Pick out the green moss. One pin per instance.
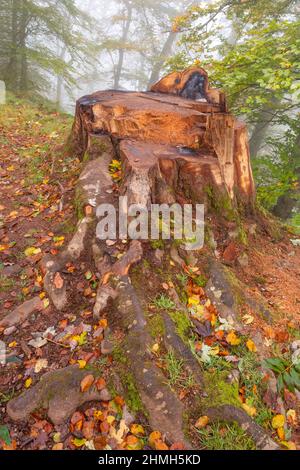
(132, 396)
(156, 326)
(221, 203)
(182, 325)
(118, 354)
(242, 235)
(157, 244)
(218, 390)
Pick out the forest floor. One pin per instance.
(38, 217)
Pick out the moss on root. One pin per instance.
(182, 325)
(156, 326)
(219, 391)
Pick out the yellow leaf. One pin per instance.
(28, 382)
(251, 345)
(58, 446)
(232, 339)
(278, 421)
(248, 319)
(42, 295)
(46, 303)
(13, 344)
(31, 250)
(250, 410)
(289, 444)
(155, 348)
(137, 430)
(81, 363)
(110, 419)
(78, 442)
(193, 300)
(202, 422)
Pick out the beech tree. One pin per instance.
(40, 40)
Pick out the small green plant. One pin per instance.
(164, 302)
(200, 280)
(6, 283)
(176, 372)
(174, 367)
(287, 373)
(157, 244)
(182, 278)
(222, 436)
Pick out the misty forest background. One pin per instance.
(59, 50)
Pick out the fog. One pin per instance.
(133, 39)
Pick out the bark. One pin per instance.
(165, 53)
(23, 36)
(11, 71)
(118, 72)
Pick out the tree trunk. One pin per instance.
(11, 73)
(165, 53)
(23, 36)
(118, 72)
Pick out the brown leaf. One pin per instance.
(58, 281)
(87, 382)
(88, 429)
(100, 383)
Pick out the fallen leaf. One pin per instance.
(278, 421)
(31, 250)
(280, 433)
(289, 445)
(291, 417)
(58, 281)
(40, 364)
(81, 363)
(58, 446)
(160, 445)
(232, 339)
(100, 383)
(251, 345)
(154, 436)
(88, 429)
(87, 382)
(28, 382)
(248, 319)
(250, 410)
(133, 443)
(78, 442)
(137, 429)
(202, 422)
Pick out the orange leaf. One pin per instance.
(160, 445)
(154, 436)
(100, 383)
(202, 422)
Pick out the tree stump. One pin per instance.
(176, 143)
(177, 139)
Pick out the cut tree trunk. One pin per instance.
(172, 149)
(188, 145)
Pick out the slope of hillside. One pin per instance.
(232, 305)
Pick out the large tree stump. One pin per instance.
(177, 143)
(178, 134)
